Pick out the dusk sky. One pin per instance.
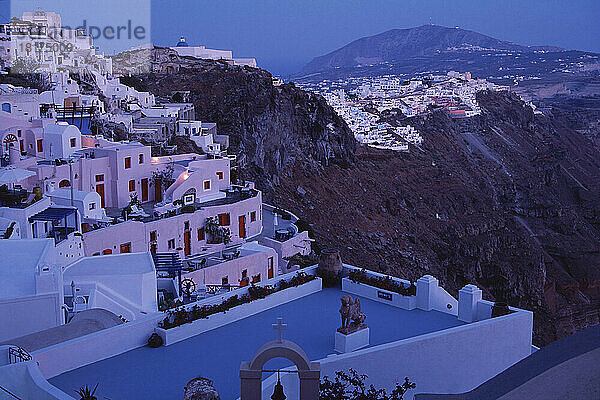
(284, 35)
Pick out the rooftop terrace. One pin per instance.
(312, 321)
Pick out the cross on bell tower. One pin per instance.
(279, 327)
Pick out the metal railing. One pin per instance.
(215, 289)
(17, 355)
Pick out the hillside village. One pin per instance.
(361, 101)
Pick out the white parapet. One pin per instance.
(468, 297)
(427, 287)
(380, 295)
(352, 341)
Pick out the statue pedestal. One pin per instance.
(351, 341)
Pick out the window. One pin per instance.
(92, 206)
(244, 274)
(18, 132)
(40, 146)
(64, 183)
(206, 185)
(127, 162)
(100, 178)
(186, 226)
(224, 220)
(132, 185)
(171, 244)
(153, 236)
(270, 269)
(225, 280)
(73, 142)
(253, 216)
(126, 247)
(141, 159)
(256, 278)
(201, 234)
(220, 175)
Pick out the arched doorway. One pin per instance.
(9, 141)
(309, 372)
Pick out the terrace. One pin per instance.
(312, 321)
(17, 198)
(63, 222)
(150, 212)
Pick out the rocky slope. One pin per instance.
(507, 200)
(271, 128)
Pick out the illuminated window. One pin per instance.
(99, 178)
(73, 142)
(127, 162)
(220, 175)
(201, 234)
(132, 185)
(126, 247)
(253, 216)
(206, 185)
(141, 159)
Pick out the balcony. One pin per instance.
(17, 198)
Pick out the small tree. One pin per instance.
(218, 233)
(351, 386)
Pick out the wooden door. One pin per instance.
(271, 270)
(158, 190)
(144, 190)
(242, 226)
(187, 243)
(100, 191)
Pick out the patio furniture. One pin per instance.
(138, 212)
(283, 234)
(79, 304)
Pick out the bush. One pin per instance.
(155, 341)
(386, 283)
(180, 316)
(351, 386)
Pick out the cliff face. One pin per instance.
(271, 128)
(507, 200)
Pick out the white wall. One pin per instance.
(25, 315)
(24, 380)
(454, 360)
(76, 353)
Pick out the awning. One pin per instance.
(53, 214)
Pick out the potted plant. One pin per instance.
(85, 393)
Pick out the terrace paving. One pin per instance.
(162, 373)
